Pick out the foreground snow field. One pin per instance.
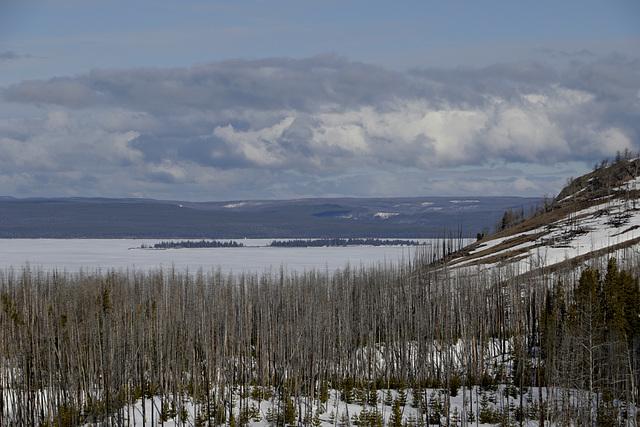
(468, 406)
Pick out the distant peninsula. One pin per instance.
(193, 244)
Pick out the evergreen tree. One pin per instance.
(372, 395)
(289, 412)
(607, 411)
(454, 384)
(613, 298)
(395, 420)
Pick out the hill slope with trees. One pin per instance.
(594, 215)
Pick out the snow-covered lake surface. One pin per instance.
(255, 256)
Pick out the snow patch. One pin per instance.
(385, 215)
(235, 205)
(564, 199)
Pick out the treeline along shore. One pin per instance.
(294, 243)
(184, 244)
(305, 243)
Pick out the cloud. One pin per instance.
(267, 84)
(556, 53)
(10, 56)
(315, 126)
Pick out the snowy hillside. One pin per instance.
(581, 224)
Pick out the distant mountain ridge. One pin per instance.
(407, 217)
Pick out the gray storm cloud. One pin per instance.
(311, 126)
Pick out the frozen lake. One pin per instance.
(256, 257)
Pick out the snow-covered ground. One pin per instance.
(335, 412)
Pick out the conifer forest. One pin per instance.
(400, 342)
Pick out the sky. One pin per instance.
(281, 99)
